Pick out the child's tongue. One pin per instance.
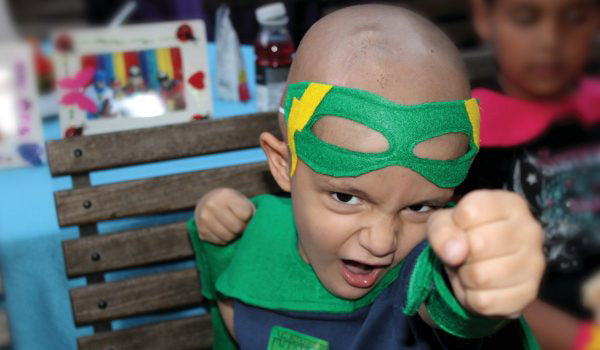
(358, 268)
(360, 275)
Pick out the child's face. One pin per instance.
(352, 230)
(542, 46)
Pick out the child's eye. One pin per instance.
(573, 16)
(420, 208)
(525, 17)
(345, 198)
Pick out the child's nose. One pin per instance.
(549, 34)
(380, 237)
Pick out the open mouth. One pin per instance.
(360, 275)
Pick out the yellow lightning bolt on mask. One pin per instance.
(300, 114)
(473, 112)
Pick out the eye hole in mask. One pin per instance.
(350, 135)
(354, 136)
(445, 147)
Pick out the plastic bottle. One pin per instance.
(274, 49)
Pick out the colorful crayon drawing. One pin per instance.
(21, 136)
(136, 84)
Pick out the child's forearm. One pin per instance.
(553, 328)
(226, 310)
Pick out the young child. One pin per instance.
(539, 136)
(379, 128)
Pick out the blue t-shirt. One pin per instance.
(381, 325)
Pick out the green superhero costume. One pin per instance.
(244, 270)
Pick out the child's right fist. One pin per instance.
(491, 246)
(222, 214)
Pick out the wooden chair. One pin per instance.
(92, 255)
(5, 339)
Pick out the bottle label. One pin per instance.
(270, 84)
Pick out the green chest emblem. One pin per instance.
(287, 339)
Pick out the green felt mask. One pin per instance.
(404, 127)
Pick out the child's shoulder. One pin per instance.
(508, 121)
(271, 210)
(271, 202)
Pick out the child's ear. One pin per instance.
(278, 158)
(481, 19)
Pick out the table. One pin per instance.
(31, 259)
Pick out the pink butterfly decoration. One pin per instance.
(79, 99)
(76, 84)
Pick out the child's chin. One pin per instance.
(349, 292)
(548, 88)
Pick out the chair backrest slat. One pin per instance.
(190, 333)
(92, 255)
(130, 297)
(95, 152)
(156, 195)
(121, 250)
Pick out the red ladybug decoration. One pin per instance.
(199, 117)
(64, 43)
(73, 131)
(185, 33)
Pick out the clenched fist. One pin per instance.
(222, 214)
(491, 247)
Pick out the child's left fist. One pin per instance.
(492, 249)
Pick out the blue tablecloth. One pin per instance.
(31, 259)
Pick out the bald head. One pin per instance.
(389, 51)
(386, 50)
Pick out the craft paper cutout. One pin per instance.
(64, 43)
(73, 131)
(21, 137)
(82, 79)
(77, 98)
(197, 80)
(185, 33)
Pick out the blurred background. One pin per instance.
(38, 18)
(31, 261)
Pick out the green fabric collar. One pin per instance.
(291, 284)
